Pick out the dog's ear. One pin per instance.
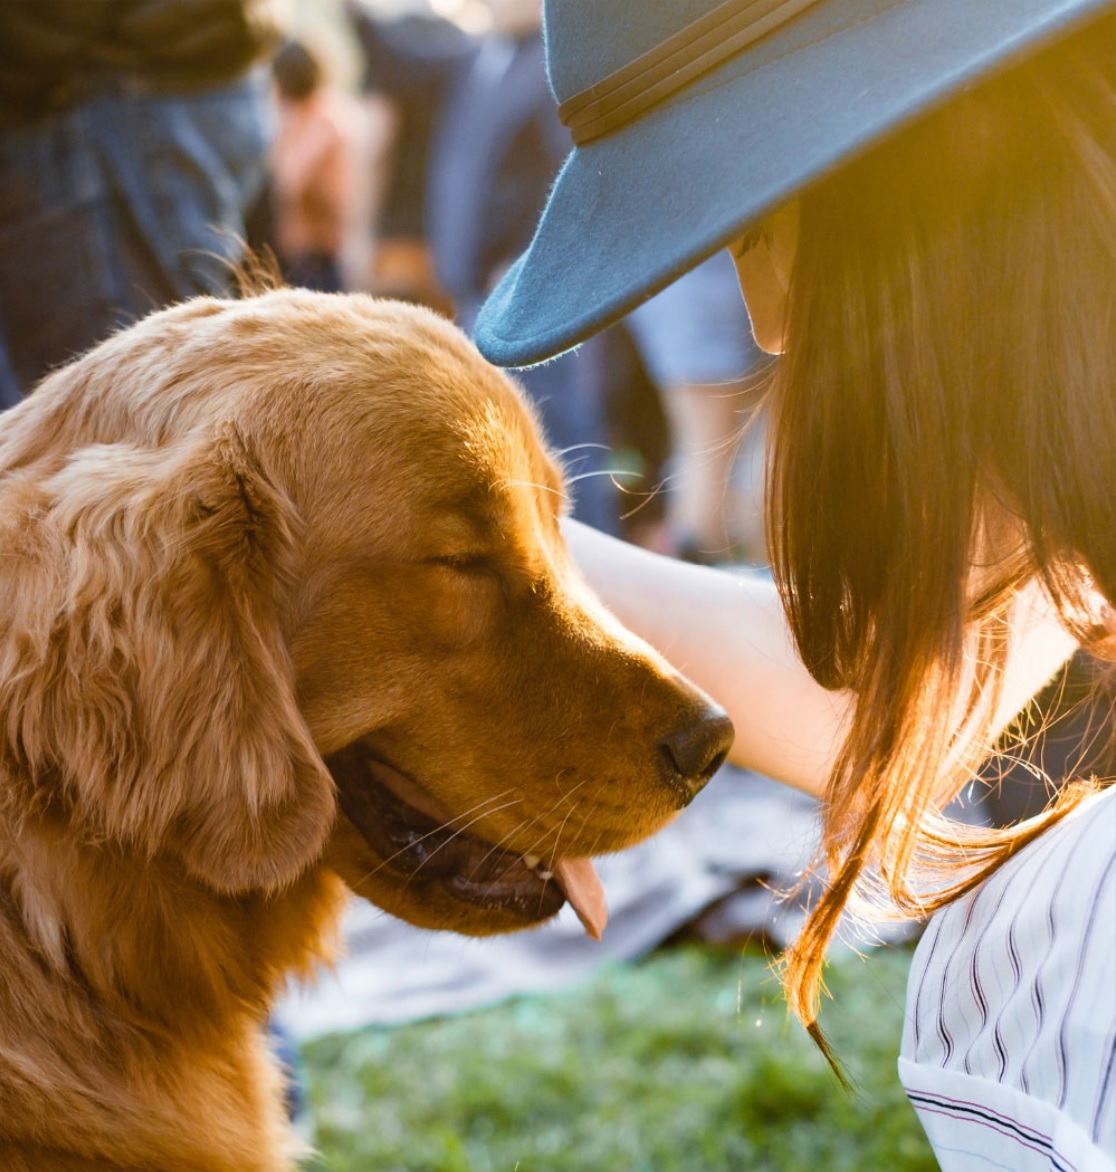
(145, 681)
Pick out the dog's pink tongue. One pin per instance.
(580, 882)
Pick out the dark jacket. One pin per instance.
(56, 53)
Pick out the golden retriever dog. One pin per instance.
(285, 613)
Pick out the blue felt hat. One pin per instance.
(696, 118)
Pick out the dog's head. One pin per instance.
(283, 585)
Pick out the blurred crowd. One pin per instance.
(145, 144)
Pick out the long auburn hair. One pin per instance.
(947, 400)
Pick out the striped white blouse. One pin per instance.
(1010, 1040)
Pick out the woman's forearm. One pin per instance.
(726, 632)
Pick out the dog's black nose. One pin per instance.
(694, 752)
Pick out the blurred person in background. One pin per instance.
(313, 165)
(408, 61)
(696, 342)
(132, 142)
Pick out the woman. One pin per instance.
(921, 199)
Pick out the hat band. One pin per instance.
(654, 76)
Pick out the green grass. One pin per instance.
(686, 1062)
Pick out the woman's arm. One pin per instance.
(726, 632)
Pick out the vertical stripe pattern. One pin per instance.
(1009, 1053)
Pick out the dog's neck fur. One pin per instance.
(201, 1014)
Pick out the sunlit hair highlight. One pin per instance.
(943, 434)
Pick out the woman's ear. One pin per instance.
(146, 682)
(764, 263)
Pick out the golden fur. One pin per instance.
(259, 557)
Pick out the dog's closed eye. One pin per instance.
(466, 563)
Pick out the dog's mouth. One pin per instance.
(415, 836)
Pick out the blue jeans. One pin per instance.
(118, 206)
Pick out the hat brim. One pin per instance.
(630, 212)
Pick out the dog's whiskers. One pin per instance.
(504, 485)
(499, 844)
(567, 794)
(586, 445)
(611, 473)
(481, 809)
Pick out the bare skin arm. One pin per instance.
(727, 633)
